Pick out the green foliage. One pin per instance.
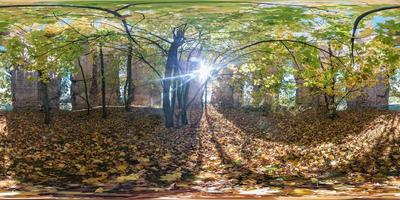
(319, 59)
(5, 87)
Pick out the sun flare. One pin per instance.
(204, 71)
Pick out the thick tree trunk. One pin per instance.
(182, 94)
(44, 98)
(167, 107)
(129, 84)
(103, 84)
(85, 86)
(185, 96)
(332, 108)
(94, 85)
(173, 97)
(171, 69)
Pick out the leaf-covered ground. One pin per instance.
(231, 152)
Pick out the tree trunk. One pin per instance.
(332, 107)
(185, 96)
(171, 69)
(44, 98)
(103, 84)
(182, 94)
(129, 84)
(86, 88)
(94, 86)
(168, 115)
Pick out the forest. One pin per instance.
(201, 99)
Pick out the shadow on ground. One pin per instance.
(133, 151)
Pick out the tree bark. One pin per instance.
(183, 93)
(185, 101)
(333, 104)
(171, 69)
(167, 107)
(85, 86)
(94, 86)
(44, 98)
(103, 84)
(129, 84)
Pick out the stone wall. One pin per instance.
(223, 93)
(147, 92)
(91, 68)
(372, 97)
(306, 97)
(26, 92)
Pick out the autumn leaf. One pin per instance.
(131, 177)
(122, 167)
(167, 156)
(94, 181)
(299, 191)
(174, 176)
(99, 190)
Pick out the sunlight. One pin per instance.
(204, 71)
(13, 193)
(203, 99)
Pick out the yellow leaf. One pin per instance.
(172, 177)
(132, 177)
(143, 160)
(99, 190)
(61, 165)
(167, 156)
(314, 180)
(82, 170)
(93, 181)
(207, 176)
(359, 178)
(122, 167)
(96, 161)
(299, 191)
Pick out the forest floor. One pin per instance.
(230, 154)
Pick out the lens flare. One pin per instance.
(204, 71)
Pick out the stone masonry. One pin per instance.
(26, 94)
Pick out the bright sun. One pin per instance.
(204, 71)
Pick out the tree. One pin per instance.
(129, 87)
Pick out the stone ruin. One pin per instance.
(372, 97)
(91, 68)
(223, 93)
(376, 96)
(26, 92)
(146, 93)
(305, 96)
